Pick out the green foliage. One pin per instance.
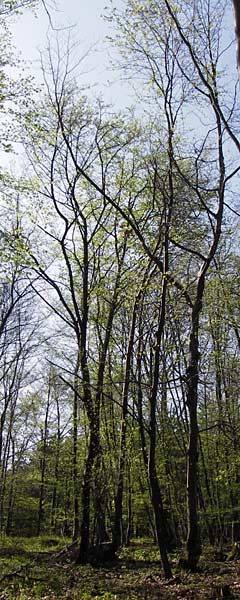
(137, 575)
(114, 208)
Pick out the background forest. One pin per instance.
(119, 295)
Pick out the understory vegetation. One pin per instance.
(43, 569)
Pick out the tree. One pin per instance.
(161, 49)
(83, 225)
(17, 331)
(127, 257)
(236, 12)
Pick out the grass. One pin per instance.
(33, 569)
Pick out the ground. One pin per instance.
(32, 569)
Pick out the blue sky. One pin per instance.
(29, 30)
(29, 33)
(29, 36)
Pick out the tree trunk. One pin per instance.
(193, 538)
(162, 533)
(11, 491)
(44, 436)
(100, 502)
(101, 534)
(129, 508)
(236, 12)
(83, 554)
(117, 531)
(75, 454)
(56, 469)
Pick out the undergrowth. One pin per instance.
(34, 569)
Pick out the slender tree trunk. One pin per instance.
(100, 502)
(94, 450)
(156, 497)
(101, 534)
(117, 530)
(236, 12)
(43, 464)
(93, 419)
(11, 491)
(210, 527)
(83, 555)
(3, 462)
(56, 469)
(193, 538)
(67, 507)
(129, 508)
(75, 454)
(160, 521)
(140, 397)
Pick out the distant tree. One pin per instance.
(17, 329)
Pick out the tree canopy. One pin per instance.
(119, 295)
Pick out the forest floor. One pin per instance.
(32, 569)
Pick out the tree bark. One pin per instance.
(83, 555)
(44, 438)
(193, 538)
(236, 12)
(156, 496)
(56, 469)
(75, 454)
(117, 530)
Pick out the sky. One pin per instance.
(30, 31)
(29, 36)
